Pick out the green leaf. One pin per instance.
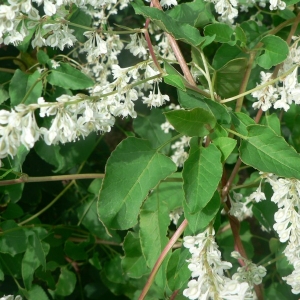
(279, 290)
(42, 57)
(195, 122)
(29, 264)
(39, 248)
(68, 77)
(223, 33)
(133, 263)
(176, 81)
(192, 100)
(13, 239)
(12, 211)
(201, 174)
(87, 214)
(229, 78)
(253, 32)
(273, 122)
(132, 170)
(75, 251)
(241, 121)
(264, 150)
(3, 95)
(226, 53)
(225, 145)
(64, 157)
(21, 83)
(154, 222)
(196, 13)
(149, 127)
(200, 220)
(66, 282)
(183, 32)
(178, 272)
(275, 50)
(37, 292)
(81, 18)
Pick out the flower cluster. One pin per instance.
(208, 271)
(284, 93)
(11, 297)
(243, 209)
(250, 272)
(287, 219)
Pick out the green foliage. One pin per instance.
(91, 219)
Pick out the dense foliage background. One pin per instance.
(134, 137)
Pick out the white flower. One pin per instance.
(95, 46)
(168, 3)
(11, 297)
(206, 264)
(156, 100)
(54, 64)
(137, 46)
(49, 8)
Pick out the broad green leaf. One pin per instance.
(42, 57)
(228, 79)
(219, 131)
(170, 192)
(95, 261)
(29, 264)
(226, 53)
(13, 239)
(66, 282)
(192, 100)
(279, 290)
(283, 267)
(273, 122)
(275, 50)
(87, 215)
(12, 211)
(196, 13)
(37, 292)
(240, 35)
(133, 263)
(68, 77)
(132, 170)
(176, 81)
(64, 157)
(75, 251)
(178, 272)
(183, 32)
(264, 213)
(202, 172)
(195, 122)
(200, 220)
(154, 222)
(264, 150)
(274, 244)
(39, 248)
(290, 2)
(149, 127)
(21, 84)
(225, 145)
(81, 18)
(3, 95)
(253, 32)
(223, 33)
(240, 122)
